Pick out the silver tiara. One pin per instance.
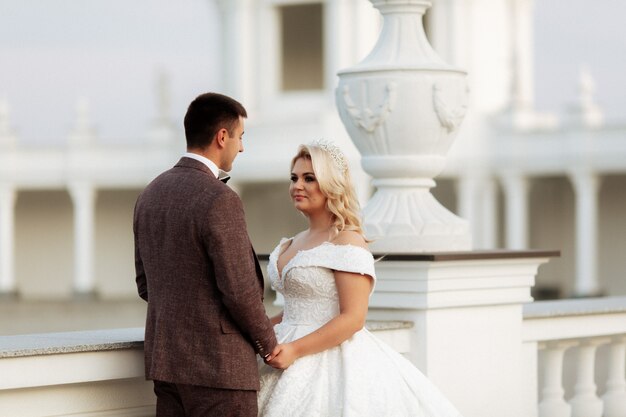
(335, 153)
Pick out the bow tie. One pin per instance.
(225, 179)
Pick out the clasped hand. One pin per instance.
(282, 356)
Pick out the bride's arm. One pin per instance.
(353, 290)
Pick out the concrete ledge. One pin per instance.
(574, 307)
(70, 342)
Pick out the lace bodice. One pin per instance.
(307, 282)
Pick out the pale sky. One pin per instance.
(54, 51)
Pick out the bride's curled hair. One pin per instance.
(333, 176)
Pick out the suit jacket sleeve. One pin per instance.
(232, 256)
(140, 273)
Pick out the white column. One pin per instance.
(338, 35)
(477, 204)
(466, 191)
(83, 196)
(364, 30)
(516, 189)
(523, 54)
(7, 239)
(450, 31)
(239, 50)
(586, 187)
(615, 396)
(586, 402)
(489, 214)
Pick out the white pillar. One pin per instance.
(83, 197)
(7, 239)
(467, 204)
(450, 30)
(338, 15)
(489, 214)
(516, 189)
(477, 204)
(586, 187)
(523, 54)
(239, 50)
(467, 313)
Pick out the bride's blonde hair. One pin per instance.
(333, 176)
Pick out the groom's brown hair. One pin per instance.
(207, 114)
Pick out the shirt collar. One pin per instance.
(206, 161)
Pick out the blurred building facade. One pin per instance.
(523, 179)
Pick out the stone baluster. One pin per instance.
(615, 396)
(552, 402)
(586, 402)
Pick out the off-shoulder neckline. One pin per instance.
(282, 273)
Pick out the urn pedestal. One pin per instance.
(402, 106)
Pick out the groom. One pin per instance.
(200, 276)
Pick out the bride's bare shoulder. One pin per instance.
(350, 237)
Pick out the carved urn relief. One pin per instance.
(402, 106)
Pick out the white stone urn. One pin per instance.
(402, 106)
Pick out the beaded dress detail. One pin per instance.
(361, 377)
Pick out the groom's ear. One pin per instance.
(220, 138)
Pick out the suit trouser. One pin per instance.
(181, 400)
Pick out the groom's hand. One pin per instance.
(282, 356)
(267, 358)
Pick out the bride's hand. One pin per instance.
(284, 357)
(274, 352)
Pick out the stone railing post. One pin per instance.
(467, 313)
(615, 396)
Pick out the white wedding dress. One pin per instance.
(361, 377)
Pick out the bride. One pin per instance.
(327, 364)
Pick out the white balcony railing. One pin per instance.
(96, 373)
(579, 350)
(573, 352)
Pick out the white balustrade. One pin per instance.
(97, 373)
(615, 396)
(583, 326)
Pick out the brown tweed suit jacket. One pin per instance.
(196, 268)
